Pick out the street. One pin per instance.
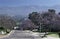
(20, 35)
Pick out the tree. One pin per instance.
(36, 18)
(7, 22)
(43, 20)
(51, 11)
(27, 25)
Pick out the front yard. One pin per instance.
(53, 34)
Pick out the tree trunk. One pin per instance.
(59, 35)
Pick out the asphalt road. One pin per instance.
(21, 35)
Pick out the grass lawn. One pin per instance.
(53, 34)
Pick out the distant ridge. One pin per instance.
(25, 10)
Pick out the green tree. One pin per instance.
(36, 18)
(7, 22)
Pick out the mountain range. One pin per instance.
(25, 10)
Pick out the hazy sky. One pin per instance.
(29, 2)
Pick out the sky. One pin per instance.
(29, 2)
(12, 7)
